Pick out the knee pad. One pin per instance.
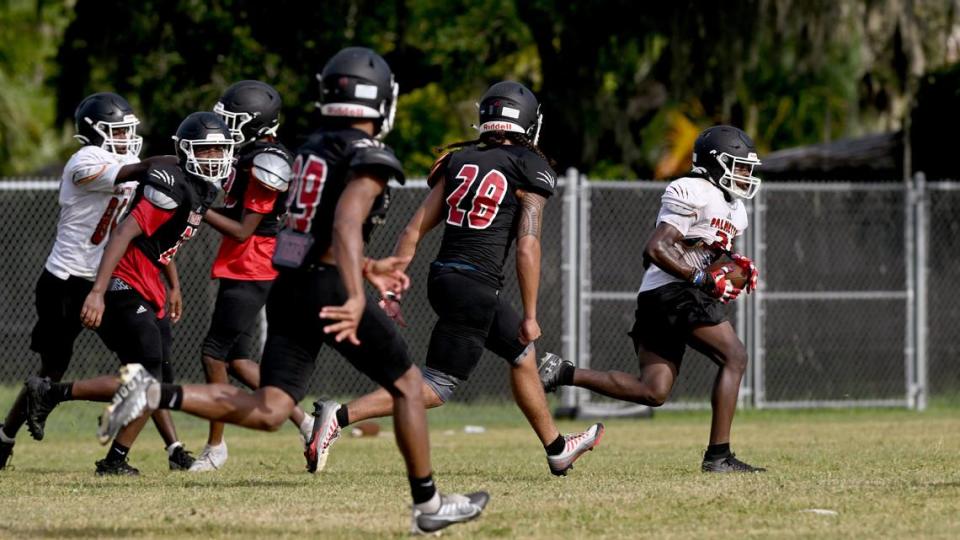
(441, 383)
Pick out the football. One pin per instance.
(737, 275)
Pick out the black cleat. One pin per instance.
(180, 459)
(39, 405)
(6, 452)
(116, 468)
(728, 464)
(549, 368)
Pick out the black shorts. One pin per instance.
(666, 315)
(58, 304)
(234, 319)
(472, 317)
(130, 329)
(295, 333)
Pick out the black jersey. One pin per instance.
(321, 170)
(482, 207)
(243, 173)
(170, 188)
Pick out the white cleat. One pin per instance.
(326, 431)
(130, 401)
(576, 446)
(212, 458)
(454, 508)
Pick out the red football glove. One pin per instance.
(716, 284)
(391, 305)
(748, 266)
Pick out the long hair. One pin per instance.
(498, 138)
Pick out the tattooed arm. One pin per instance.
(528, 261)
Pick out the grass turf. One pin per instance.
(886, 473)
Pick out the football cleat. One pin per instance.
(129, 402)
(454, 508)
(6, 452)
(549, 369)
(326, 431)
(728, 464)
(106, 467)
(212, 458)
(576, 446)
(39, 405)
(180, 459)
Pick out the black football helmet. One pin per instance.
(106, 120)
(727, 156)
(199, 133)
(251, 109)
(358, 83)
(510, 106)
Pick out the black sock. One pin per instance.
(566, 374)
(343, 417)
(117, 452)
(717, 451)
(423, 489)
(171, 396)
(556, 446)
(61, 391)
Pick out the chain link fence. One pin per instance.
(854, 308)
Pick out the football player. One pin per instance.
(339, 181)
(97, 184)
(680, 301)
(488, 193)
(127, 303)
(249, 221)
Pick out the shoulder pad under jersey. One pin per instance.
(381, 158)
(162, 186)
(685, 195)
(537, 173)
(272, 169)
(438, 169)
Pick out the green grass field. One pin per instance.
(886, 473)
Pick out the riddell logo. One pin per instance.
(499, 126)
(336, 110)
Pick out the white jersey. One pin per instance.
(699, 210)
(90, 205)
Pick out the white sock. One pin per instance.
(172, 447)
(4, 438)
(430, 507)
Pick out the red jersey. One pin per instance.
(250, 260)
(135, 268)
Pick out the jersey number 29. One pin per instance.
(486, 199)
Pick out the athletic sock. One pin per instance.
(557, 446)
(5, 438)
(61, 391)
(717, 451)
(343, 417)
(423, 491)
(565, 377)
(117, 453)
(431, 506)
(171, 396)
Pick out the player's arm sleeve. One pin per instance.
(95, 175)
(679, 208)
(272, 170)
(380, 162)
(537, 175)
(259, 198)
(149, 216)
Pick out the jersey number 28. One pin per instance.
(486, 199)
